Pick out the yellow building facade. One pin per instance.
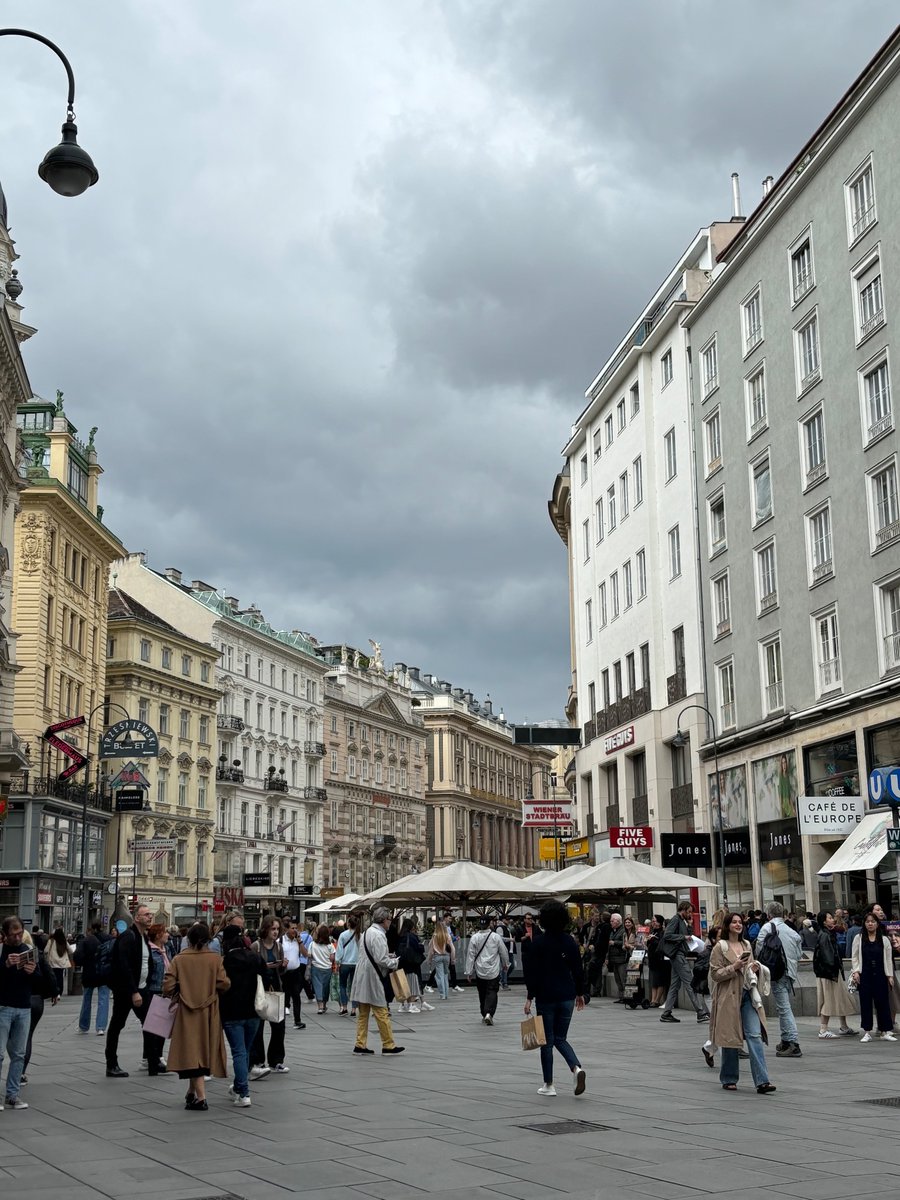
(165, 679)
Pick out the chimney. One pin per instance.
(736, 214)
(414, 673)
(233, 601)
(457, 693)
(401, 667)
(768, 184)
(468, 697)
(444, 686)
(197, 585)
(172, 574)
(488, 706)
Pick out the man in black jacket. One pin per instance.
(674, 946)
(596, 945)
(86, 958)
(131, 967)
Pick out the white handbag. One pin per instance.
(269, 1005)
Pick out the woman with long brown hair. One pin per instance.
(441, 953)
(270, 950)
(346, 957)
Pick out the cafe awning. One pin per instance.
(864, 847)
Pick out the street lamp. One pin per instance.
(680, 740)
(67, 168)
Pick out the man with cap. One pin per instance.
(485, 957)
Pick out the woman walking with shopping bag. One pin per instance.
(270, 950)
(554, 980)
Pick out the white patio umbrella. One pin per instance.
(336, 904)
(622, 876)
(461, 882)
(541, 881)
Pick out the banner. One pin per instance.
(829, 815)
(547, 813)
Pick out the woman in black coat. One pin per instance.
(555, 980)
(43, 987)
(659, 965)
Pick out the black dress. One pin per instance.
(660, 967)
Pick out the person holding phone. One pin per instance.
(735, 1017)
(17, 965)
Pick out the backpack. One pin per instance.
(771, 954)
(103, 961)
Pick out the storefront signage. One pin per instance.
(615, 741)
(548, 849)
(300, 889)
(143, 845)
(778, 840)
(578, 849)
(5, 883)
(129, 800)
(631, 837)
(231, 897)
(544, 813)
(260, 879)
(686, 849)
(131, 774)
(893, 840)
(884, 785)
(737, 846)
(129, 739)
(45, 897)
(834, 815)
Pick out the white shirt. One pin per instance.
(486, 952)
(145, 963)
(291, 948)
(322, 956)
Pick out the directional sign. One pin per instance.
(129, 739)
(51, 735)
(142, 845)
(59, 726)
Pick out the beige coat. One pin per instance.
(197, 977)
(856, 954)
(726, 979)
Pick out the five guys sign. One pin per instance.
(78, 759)
(631, 837)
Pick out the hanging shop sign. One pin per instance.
(737, 846)
(829, 815)
(129, 739)
(51, 736)
(544, 813)
(778, 840)
(132, 775)
(884, 785)
(686, 850)
(631, 837)
(259, 879)
(129, 800)
(578, 850)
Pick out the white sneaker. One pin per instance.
(547, 1089)
(457, 989)
(15, 1104)
(489, 1020)
(258, 1072)
(867, 1037)
(889, 1037)
(281, 1069)
(241, 1102)
(580, 1081)
(428, 989)
(826, 1033)
(143, 1065)
(427, 1007)
(404, 1007)
(413, 1008)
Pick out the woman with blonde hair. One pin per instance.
(441, 953)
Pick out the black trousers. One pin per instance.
(293, 990)
(275, 1056)
(37, 1011)
(122, 1006)
(873, 990)
(488, 991)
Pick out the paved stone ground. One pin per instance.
(446, 1118)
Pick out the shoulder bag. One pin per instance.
(399, 982)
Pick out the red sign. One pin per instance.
(45, 897)
(218, 906)
(631, 837)
(615, 741)
(228, 897)
(59, 726)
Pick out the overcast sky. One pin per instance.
(350, 266)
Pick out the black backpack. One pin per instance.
(103, 961)
(770, 952)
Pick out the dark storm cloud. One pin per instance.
(349, 269)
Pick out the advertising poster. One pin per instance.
(734, 798)
(775, 787)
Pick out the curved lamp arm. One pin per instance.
(38, 37)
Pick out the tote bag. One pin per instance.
(533, 1036)
(160, 1016)
(269, 1005)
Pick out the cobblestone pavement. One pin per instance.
(451, 1118)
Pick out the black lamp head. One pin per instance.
(67, 168)
(679, 740)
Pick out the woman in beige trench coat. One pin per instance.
(196, 976)
(735, 1018)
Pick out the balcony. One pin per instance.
(612, 815)
(877, 428)
(676, 687)
(830, 675)
(774, 696)
(227, 724)
(275, 784)
(887, 534)
(892, 651)
(814, 474)
(384, 843)
(75, 793)
(682, 798)
(315, 748)
(229, 775)
(641, 809)
(314, 793)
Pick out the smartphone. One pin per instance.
(745, 956)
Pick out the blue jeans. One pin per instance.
(442, 975)
(14, 1026)
(84, 1020)
(240, 1036)
(556, 1018)
(781, 994)
(345, 981)
(730, 1069)
(321, 980)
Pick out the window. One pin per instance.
(752, 321)
(766, 579)
(626, 584)
(608, 430)
(164, 718)
(185, 664)
(598, 442)
(584, 469)
(641, 560)
(827, 651)
(878, 416)
(802, 277)
(162, 783)
(614, 593)
(144, 710)
(868, 295)
(604, 685)
(806, 344)
(638, 476)
(588, 620)
(757, 416)
(712, 428)
(617, 680)
(888, 596)
(182, 789)
(762, 491)
(204, 672)
(611, 508)
(592, 698)
(883, 505)
(674, 552)
(586, 537)
(812, 436)
(645, 667)
(145, 650)
(725, 682)
(601, 605)
(671, 457)
(860, 194)
(623, 495)
(709, 364)
(773, 680)
(184, 723)
(202, 790)
(666, 367)
(818, 537)
(717, 536)
(166, 658)
(721, 590)
(181, 858)
(631, 677)
(77, 481)
(635, 393)
(203, 734)
(621, 419)
(598, 511)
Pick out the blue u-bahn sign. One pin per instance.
(884, 786)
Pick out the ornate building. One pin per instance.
(375, 766)
(167, 680)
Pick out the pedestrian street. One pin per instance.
(457, 1117)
